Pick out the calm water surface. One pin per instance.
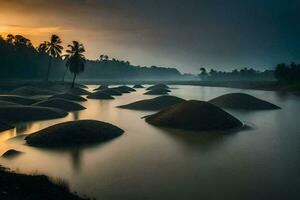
(154, 163)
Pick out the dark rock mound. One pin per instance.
(5, 126)
(157, 91)
(78, 91)
(29, 113)
(194, 115)
(11, 153)
(160, 85)
(112, 92)
(242, 101)
(60, 104)
(157, 103)
(74, 133)
(101, 87)
(68, 96)
(138, 86)
(100, 95)
(18, 99)
(7, 103)
(125, 89)
(32, 91)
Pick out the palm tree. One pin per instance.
(101, 57)
(42, 47)
(53, 49)
(75, 59)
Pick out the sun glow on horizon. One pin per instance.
(35, 34)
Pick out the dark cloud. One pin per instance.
(183, 33)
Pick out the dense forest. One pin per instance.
(245, 74)
(20, 60)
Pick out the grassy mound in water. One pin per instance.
(74, 133)
(60, 104)
(160, 85)
(138, 86)
(32, 91)
(194, 115)
(7, 103)
(157, 103)
(16, 114)
(157, 91)
(100, 95)
(16, 186)
(78, 91)
(125, 89)
(101, 87)
(242, 101)
(11, 153)
(112, 92)
(68, 96)
(5, 126)
(18, 99)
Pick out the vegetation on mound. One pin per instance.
(160, 85)
(112, 92)
(138, 86)
(14, 114)
(157, 103)
(74, 133)
(125, 89)
(18, 99)
(5, 126)
(242, 101)
(157, 91)
(78, 91)
(7, 103)
(194, 115)
(31, 91)
(16, 186)
(102, 87)
(11, 153)
(68, 96)
(59, 103)
(100, 95)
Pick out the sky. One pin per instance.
(186, 34)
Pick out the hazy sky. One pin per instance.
(186, 34)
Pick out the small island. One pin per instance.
(242, 101)
(196, 116)
(59, 103)
(157, 103)
(100, 95)
(74, 134)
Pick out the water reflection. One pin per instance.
(149, 162)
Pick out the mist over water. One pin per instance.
(148, 162)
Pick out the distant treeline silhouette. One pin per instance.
(242, 74)
(20, 60)
(288, 73)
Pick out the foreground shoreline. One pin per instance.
(14, 186)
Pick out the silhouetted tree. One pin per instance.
(101, 57)
(288, 73)
(53, 49)
(203, 73)
(42, 48)
(75, 59)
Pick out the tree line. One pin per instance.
(19, 59)
(236, 74)
(288, 73)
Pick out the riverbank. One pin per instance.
(15, 186)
